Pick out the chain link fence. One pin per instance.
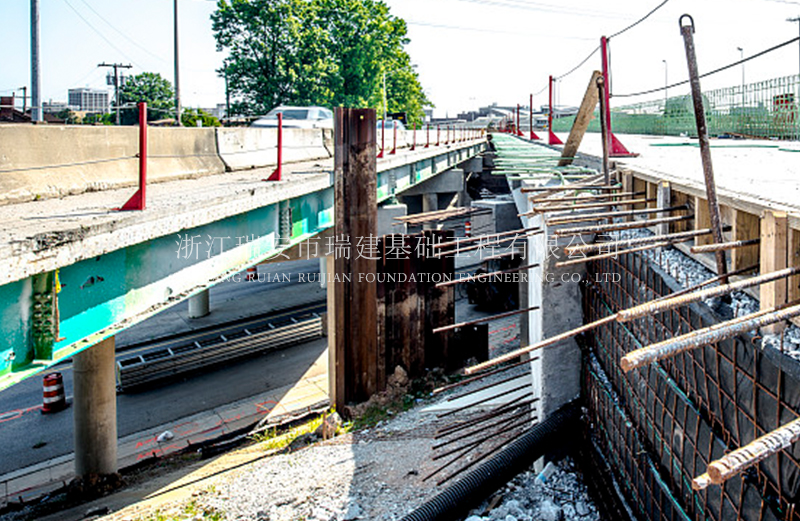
(765, 109)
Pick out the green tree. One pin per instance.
(316, 52)
(151, 88)
(68, 116)
(190, 117)
(99, 119)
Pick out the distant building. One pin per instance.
(91, 101)
(54, 107)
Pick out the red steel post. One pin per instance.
(394, 142)
(530, 124)
(615, 147)
(428, 136)
(414, 139)
(276, 175)
(383, 133)
(553, 139)
(137, 202)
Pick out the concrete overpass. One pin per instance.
(78, 271)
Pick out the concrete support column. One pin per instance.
(95, 410)
(199, 305)
(430, 203)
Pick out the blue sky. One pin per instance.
(469, 52)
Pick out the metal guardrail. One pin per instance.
(163, 363)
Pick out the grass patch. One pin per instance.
(275, 440)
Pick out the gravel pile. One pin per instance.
(561, 495)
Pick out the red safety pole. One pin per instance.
(518, 129)
(553, 139)
(414, 139)
(438, 134)
(383, 133)
(137, 202)
(276, 175)
(428, 136)
(394, 143)
(615, 147)
(530, 122)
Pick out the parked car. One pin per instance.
(390, 122)
(297, 117)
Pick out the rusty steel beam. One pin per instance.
(671, 237)
(724, 246)
(612, 255)
(600, 228)
(484, 319)
(652, 308)
(710, 335)
(484, 276)
(687, 32)
(605, 215)
(741, 459)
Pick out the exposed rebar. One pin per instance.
(652, 308)
(484, 319)
(612, 255)
(484, 275)
(761, 448)
(670, 237)
(554, 221)
(710, 335)
(712, 248)
(601, 228)
(569, 207)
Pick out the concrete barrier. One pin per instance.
(56, 160)
(244, 148)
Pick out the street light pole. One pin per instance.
(741, 57)
(36, 73)
(177, 68)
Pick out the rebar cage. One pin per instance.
(661, 425)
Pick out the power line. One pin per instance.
(101, 35)
(640, 20)
(726, 67)
(488, 30)
(131, 40)
(580, 64)
(547, 8)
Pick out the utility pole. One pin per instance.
(116, 67)
(177, 68)
(36, 73)
(24, 99)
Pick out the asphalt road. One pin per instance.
(28, 437)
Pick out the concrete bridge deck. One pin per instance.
(118, 268)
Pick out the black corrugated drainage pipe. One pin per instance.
(455, 501)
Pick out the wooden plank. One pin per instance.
(582, 119)
(652, 193)
(774, 242)
(663, 200)
(639, 185)
(793, 259)
(627, 186)
(745, 226)
(702, 220)
(355, 205)
(679, 198)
